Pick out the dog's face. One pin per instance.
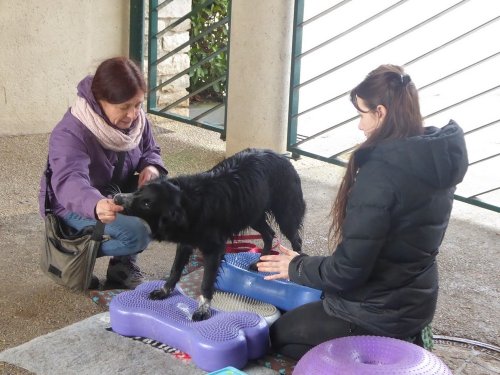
(158, 203)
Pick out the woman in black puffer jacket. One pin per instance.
(389, 219)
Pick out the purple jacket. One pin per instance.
(82, 168)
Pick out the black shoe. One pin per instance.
(125, 272)
(94, 283)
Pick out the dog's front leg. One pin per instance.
(182, 255)
(267, 234)
(211, 261)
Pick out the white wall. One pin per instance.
(46, 48)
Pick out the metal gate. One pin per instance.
(195, 104)
(451, 50)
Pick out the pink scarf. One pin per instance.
(109, 137)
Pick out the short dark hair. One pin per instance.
(117, 80)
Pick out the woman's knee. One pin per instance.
(133, 233)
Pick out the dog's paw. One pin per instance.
(253, 267)
(200, 314)
(158, 294)
(203, 310)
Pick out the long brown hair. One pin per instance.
(390, 86)
(117, 80)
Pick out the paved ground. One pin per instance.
(30, 305)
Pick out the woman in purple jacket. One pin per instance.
(107, 118)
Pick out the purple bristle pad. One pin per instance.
(225, 339)
(234, 276)
(375, 355)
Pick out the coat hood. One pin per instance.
(438, 157)
(84, 90)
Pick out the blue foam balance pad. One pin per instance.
(234, 276)
(225, 339)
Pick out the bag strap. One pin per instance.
(48, 187)
(117, 172)
(98, 231)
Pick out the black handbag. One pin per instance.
(68, 256)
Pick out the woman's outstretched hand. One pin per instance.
(148, 173)
(106, 210)
(277, 264)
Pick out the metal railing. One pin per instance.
(188, 108)
(429, 39)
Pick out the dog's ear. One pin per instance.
(171, 219)
(174, 182)
(162, 177)
(172, 214)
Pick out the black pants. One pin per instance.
(300, 329)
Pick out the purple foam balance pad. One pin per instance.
(225, 339)
(356, 355)
(235, 277)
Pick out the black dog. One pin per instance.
(205, 210)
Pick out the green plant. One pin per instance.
(216, 67)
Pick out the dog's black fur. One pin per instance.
(205, 210)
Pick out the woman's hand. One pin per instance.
(277, 264)
(148, 173)
(106, 210)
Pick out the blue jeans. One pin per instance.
(128, 234)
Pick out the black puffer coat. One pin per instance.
(383, 275)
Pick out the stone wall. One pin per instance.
(176, 63)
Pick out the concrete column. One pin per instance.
(259, 74)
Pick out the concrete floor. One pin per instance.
(31, 306)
